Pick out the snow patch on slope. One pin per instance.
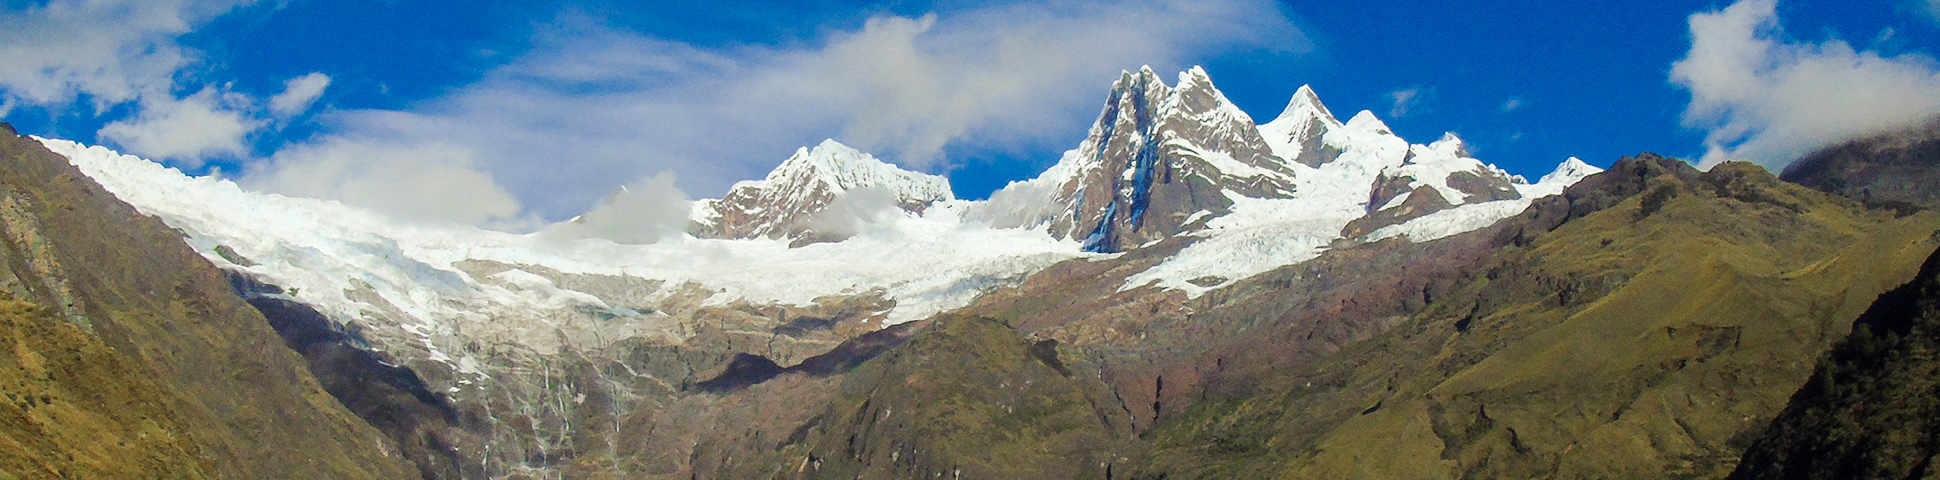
(1475, 216)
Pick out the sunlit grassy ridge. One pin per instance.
(1872, 407)
(1651, 339)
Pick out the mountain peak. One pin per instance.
(843, 167)
(781, 204)
(1296, 135)
(1366, 121)
(1572, 169)
(1194, 77)
(1305, 105)
(1450, 146)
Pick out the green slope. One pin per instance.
(1872, 408)
(151, 366)
(1646, 333)
(966, 398)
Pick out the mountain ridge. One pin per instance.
(509, 333)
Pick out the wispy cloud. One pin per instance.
(1409, 101)
(1513, 104)
(590, 104)
(298, 94)
(1766, 99)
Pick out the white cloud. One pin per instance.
(590, 104)
(298, 94)
(187, 130)
(857, 211)
(1931, 8)
(1768, 100)
(422, 181)
(1024, 204)
(108, 53)
(111, 51)
(646, 211)
(1409, 101)
(1513, 104)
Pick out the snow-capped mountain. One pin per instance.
(788, 201)
(1165, 162)
(833, 240)
(1298, 133)
(1156, 156)
(1160, 163)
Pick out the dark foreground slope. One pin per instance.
(1650, 331)
(1872, 409)
(131, 358)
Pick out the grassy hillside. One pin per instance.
(135, 359)
(1649, 334)
(968, 397)
(1872, 408)
(77, 409)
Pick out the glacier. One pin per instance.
(349, 262)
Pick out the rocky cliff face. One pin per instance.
(1157, 156)
(131, 358)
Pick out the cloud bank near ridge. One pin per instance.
(1762, 98)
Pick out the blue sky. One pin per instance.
(511, 113)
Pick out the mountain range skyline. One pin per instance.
(513, 106)
(885, 239)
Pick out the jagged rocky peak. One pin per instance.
(1299, 133)
(783, 204)
(1159, 155)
